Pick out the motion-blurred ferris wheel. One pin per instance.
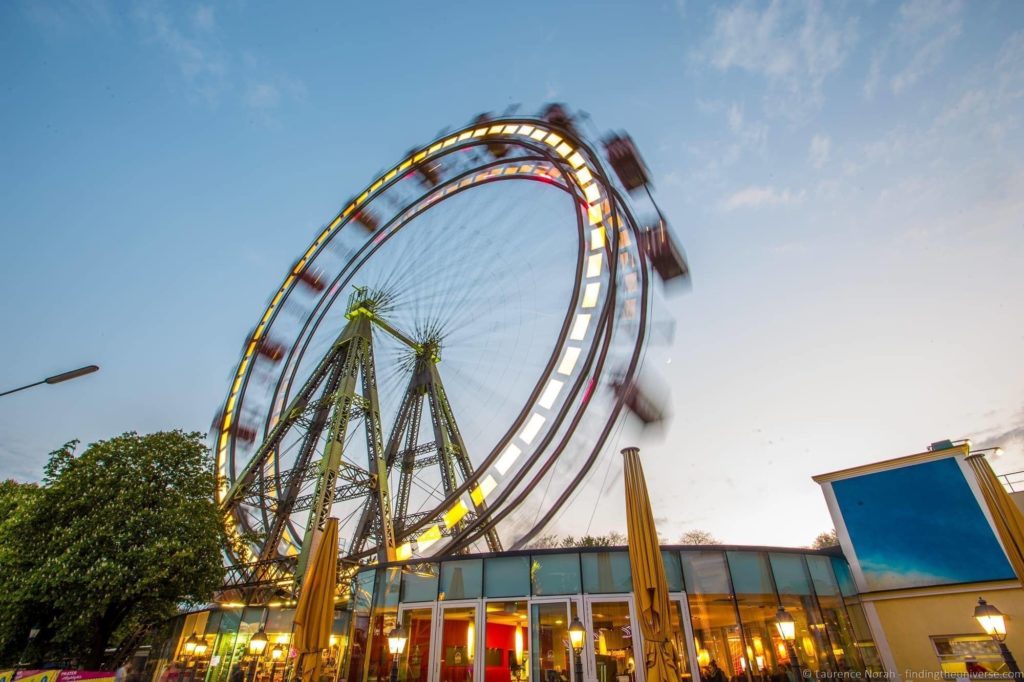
(447, 359)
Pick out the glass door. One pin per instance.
(614, 638)
(414, 662)
(551, 655)
(457, 643)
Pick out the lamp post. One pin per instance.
(257, 645)
(57, 378)
(994, 624)
(396, 645)
(786, 626)
(576, 635)
(32, 634)
(276, 654)
(189, 647)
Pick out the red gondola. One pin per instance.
(271, 350)
(667, 258)
(368, 220)
(312, 280)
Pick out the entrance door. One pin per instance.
(614, 653)
(457, 642)
(414, 665)
(551, 655)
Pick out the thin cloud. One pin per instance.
(821, 147)
(794, 46)
(756, 197)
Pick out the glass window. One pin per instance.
(605, 572)
(338, 647)
(414, 662)
(458, 643)
(419, 583)
(821, 575)
(612, 630)
(460, 579)
(749, 573)
(970, 656)
(555, 573)
(549, 642)
(673, 571)
(387, 594)
(506, 647)
(227, 650)
(507, 576)
(362, 595)
(704, 572)
(842, 571)
(362, 590)
(679, 635)
(790, 576)
(716, 635)
(865, 644)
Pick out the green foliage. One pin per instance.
(115, 539)
(826, 539)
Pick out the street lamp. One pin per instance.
(786, 626)
(257, 645)
(32, 634)
(57, 378)
(276, 654)
(994, 624)
(576, 635)
(396, 645)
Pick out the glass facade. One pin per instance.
(507, 617)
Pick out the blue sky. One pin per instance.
(845, 177)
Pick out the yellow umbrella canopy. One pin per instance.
(649, 586)
(314, 614)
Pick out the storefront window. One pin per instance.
(716, 633)
(414, 664)
(506, 643)
(614, 655)
(555, 574)
(606, 572)
(362, 597)
(813, 645)
(385, 619)
(762, 657)
(461, 579)
(970, 656)
(419, 583)
(679, 635)
(673, 571)
(507, 576)
(458, 643)
(226, 634)
(549, 643)
(837, 623)
(865, 644)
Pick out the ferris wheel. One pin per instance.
(444, 363)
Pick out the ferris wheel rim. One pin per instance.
(319, 245)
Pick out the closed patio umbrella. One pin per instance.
(650, 589)
(314, 614)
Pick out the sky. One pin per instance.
(845, 177)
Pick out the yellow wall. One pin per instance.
(909, 621)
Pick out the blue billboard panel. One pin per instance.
(919, 525)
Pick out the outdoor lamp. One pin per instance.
(200, 647)
(994, 624)
(991, 619)
(277, 653)
(576, 633)
(786, 625)
(396, 641)
(258, 643)
(191, 643)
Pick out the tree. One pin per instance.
(698, 537)
(826, 539)
(115, 539)
(613, 539)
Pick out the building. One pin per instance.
(479, 617)
(921, 539)
(926, 537)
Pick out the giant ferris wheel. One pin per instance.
(445, 362)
